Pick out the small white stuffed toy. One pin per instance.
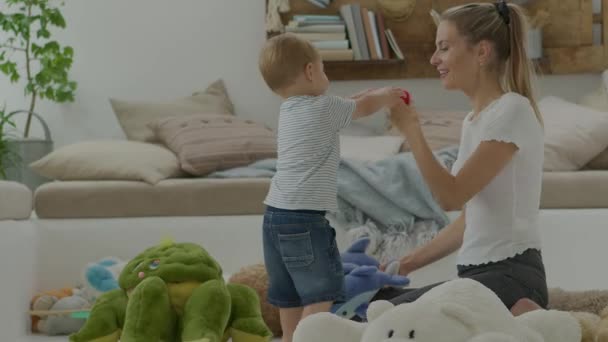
(461, 310)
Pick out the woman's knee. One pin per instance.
(524, 305)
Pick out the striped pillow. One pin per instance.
(205, 143)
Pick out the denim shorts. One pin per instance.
(302, 258)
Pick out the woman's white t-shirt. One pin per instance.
(502, 219)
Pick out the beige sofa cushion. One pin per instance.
(134, 116)
(598, 100)
(170, 197)
(441, 128)
(112, 159)
(245, 196)
(575, 190)
(15, 201)
(574, 134)
(208, 143)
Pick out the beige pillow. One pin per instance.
(598, 100)
(208, 143)
(574, 134)
(441, 128)
(109, 160)
(135, 116)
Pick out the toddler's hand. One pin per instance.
(362, 93)
(392, 95)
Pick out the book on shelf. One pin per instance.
(366, 30)
(383, 40)
(393, 43)
(326, 32)
(330, 44)
(321, 36)
(316, 17)
(294, 27)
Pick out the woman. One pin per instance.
(496, 180)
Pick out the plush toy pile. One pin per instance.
(98, 277)
(175, 292)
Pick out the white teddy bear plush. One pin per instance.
(461, 310)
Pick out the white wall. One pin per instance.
(163, 49)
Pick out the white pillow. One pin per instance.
(109, 160)
(366, 148)
(574, 134)
(598, 99)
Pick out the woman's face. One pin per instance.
(455, 58)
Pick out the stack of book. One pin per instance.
(326, 32)
(357, 33)
(369, 38)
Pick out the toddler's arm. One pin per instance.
(372, 101)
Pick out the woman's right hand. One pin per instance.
(406, 265)
(447, 241)
(403, 115)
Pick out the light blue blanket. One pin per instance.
(390, 193)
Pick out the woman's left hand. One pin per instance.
(403, 115)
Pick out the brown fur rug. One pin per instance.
(592, 301)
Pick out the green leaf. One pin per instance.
(68, 51)
(56, 18)
(43, 33)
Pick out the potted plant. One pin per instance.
(28, 54)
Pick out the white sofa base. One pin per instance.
(49, 254)
(18, 246)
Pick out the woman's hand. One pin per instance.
(403, 115)
(406, 265)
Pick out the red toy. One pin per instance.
(406, 97)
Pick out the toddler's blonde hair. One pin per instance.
(283, 58)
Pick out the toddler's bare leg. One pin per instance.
(289, 320)
(316, 308)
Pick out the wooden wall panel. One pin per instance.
(571, 22)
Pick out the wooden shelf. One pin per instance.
(567, 40)
(372, 69)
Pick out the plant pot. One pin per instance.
(29, 150)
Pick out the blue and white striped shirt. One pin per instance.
(309, 152)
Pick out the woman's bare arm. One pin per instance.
(445, 243)
(453, 192)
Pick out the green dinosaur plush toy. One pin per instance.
(175, 292)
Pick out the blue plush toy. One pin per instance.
(363, 280)
(102, 276)
(355, 254)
